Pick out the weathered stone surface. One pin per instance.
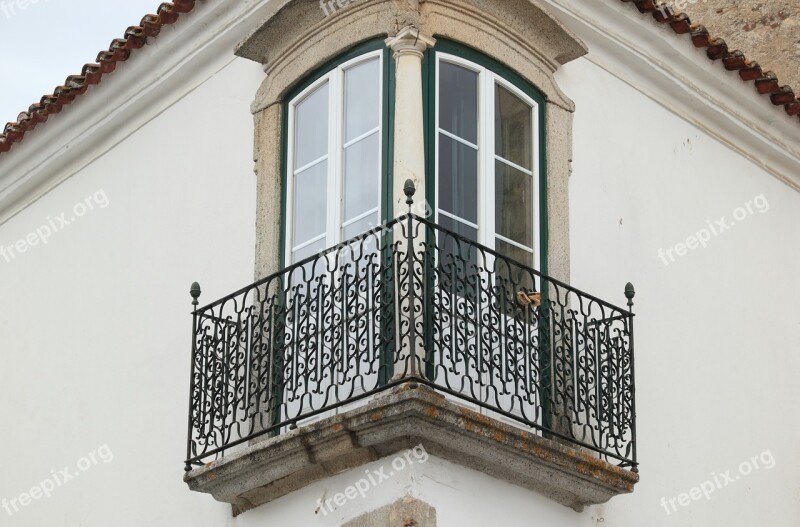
(766, 31)
(402, 513)
(402, 419)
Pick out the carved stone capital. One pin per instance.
(410, 41)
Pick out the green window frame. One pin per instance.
(444, 48)
(387, 131)
(463, 54)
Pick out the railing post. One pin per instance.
(630, 292)
(195, 292)
(546, 358)
(409, 190)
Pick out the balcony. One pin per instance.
(413, 322)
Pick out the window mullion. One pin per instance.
(486, 200)
(289, 223)
(435, 138)
(537, 208)
(335, 178)
(381, 145)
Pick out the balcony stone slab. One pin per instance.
(399, 419)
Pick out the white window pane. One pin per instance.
(309, 250)
(362, 99)
(361, 258)
(458, 261)
(513, 204)
(458, 178)
(310, 203)
(459, 228)
(513, 275)
(513, 128)
(523, 256)
(458, 101)
(368, 223)
(362, 177)
(304, 282)
(311, 127)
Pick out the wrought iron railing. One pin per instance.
(412, 302)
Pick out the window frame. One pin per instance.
(337, 67)
(490, 72)
(517, 85)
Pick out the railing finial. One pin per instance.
(630, 292)
(195, 292)
(409, 190)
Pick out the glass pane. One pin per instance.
(310, 203)
(458, 261)
(362, 99)
(311, 127)
(513, 276)
(459, 228)
(362, 175)
(517, 254)
(513, 205)
(458, 179)
(310, 250)
(458, 101)
(362, 252)
(371, 222)
(304, 282)
(513, 139)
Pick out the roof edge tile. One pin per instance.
(135, 37)
(765, 82)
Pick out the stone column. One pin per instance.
(409, 164)
(409, 46)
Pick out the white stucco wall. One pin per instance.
(461, 497)
(95, 326)
(718, 329)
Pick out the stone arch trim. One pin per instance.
(299, 38)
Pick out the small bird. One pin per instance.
(526, 299)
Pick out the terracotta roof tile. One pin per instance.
(765, 82)
(119, 50)
(135, 37)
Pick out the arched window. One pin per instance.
(486, 164)
(336, 147)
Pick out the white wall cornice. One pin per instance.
(667, 68)
(157, 76)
